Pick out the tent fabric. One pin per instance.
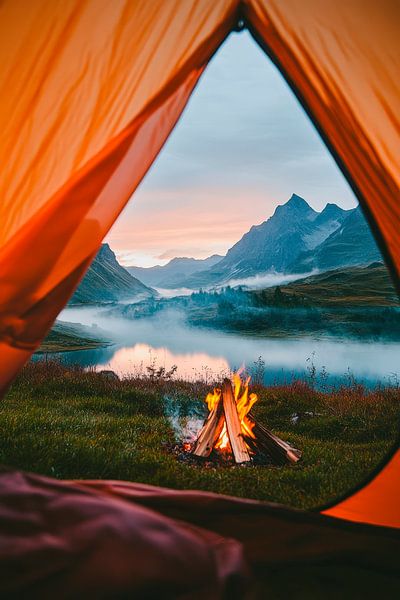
(91, 89)
(108, 539)
(60, 540)
(89, 93)
(377, 502)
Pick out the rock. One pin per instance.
(108, 374)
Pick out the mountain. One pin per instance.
(294, 228)
(350, 244)
(174, 272)
(107, 281)
(295, 239)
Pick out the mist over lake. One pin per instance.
(200, 352)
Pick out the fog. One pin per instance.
(166, 339)
(172, 293)
(262, 281)
(268, 280)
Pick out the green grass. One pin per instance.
(68, 423)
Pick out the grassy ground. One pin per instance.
(69, 423)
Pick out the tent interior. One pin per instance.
(90, 91)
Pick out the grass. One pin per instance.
(69, 423)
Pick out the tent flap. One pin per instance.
(87, 100)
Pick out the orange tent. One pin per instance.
(90, 91)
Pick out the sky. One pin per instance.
(242, 146)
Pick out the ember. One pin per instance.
(231, 429)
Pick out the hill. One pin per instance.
(352, 286)
(66, 337)
(173, 273)
(107, 281)
(356, 303)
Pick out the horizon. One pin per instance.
(191, 203)
(244, 233)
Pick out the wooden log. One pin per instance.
(293, 453)
(251, 443)
(281, 452)
(267, 446)
(233, 425)
(210, 431)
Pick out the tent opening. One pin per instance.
(243, 247)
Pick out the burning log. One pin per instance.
(210, 431)
(231, 427)
(233, 424)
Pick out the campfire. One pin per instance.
(231, 429)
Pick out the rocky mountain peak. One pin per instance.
(296, 238)
(332, 211)
(296, 206)
(297, 201)
(107, 281)
(106, 252)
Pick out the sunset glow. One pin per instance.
(242, 146)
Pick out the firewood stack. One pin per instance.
(244, 447)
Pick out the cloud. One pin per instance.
(242, 146)
(244, 125)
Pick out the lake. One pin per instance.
(199, 352)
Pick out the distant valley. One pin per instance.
(175, 272)
(354, 302)
(331, 278)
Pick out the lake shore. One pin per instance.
(72, 337)
(58, 348)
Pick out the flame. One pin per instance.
(222, 442)
(244, 402)
(213, 399)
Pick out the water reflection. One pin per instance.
(190, 365)
(196, 352)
